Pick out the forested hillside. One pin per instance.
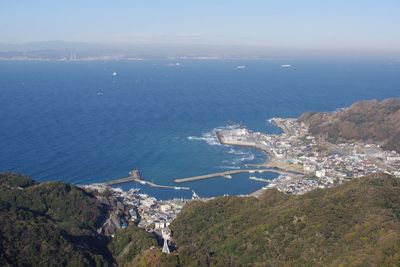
(355, 224)
(55, 224)
(376, 121)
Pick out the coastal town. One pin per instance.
(143, 210)
(321, 163)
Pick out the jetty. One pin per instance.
(225, 174)
(121, 181)
(135, 176)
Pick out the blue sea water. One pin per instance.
(77, 122)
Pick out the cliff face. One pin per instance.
(355, 224)
(376, 121)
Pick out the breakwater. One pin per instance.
(225, 174)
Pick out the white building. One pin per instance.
(159, 224)
(320, 173)
(392, 158)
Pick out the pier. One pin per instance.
(135, 176)
(122, 181)
(225, 174)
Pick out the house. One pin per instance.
(392, 158)
(159, 224)
(320, 173)
(165, 207)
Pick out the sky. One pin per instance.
(300, 24)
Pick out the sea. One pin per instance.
(88, 122)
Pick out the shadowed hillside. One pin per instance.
(55, 224)
(377, 121)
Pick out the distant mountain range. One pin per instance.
(51, 45)
(151, 50)
(56, 50)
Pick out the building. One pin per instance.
(392, 158)
(165, 207)
(159, 224)
(320, 173)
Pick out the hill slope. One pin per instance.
(355, 224)
(55, 224)
(49, 224)
(377, 121)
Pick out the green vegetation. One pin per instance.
(15, 180)
(55, 224)
(154, 258)
(49, 224)
(377, 121)
(71, 207)
(130, 242)
(355, 224)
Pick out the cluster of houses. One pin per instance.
(331, 162)
(323, 164)
(155, 216)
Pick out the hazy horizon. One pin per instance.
(57, 48)
(358, 26)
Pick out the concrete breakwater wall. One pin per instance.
(224, 174)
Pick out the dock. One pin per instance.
(225, 174)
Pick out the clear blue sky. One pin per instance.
(316, 24)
